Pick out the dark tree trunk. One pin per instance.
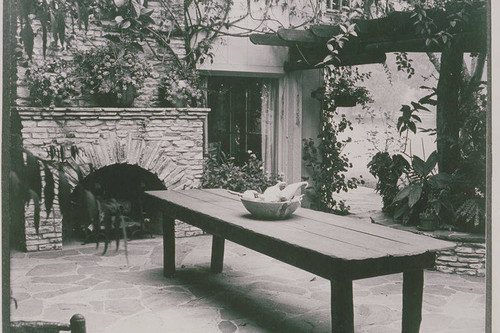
(447, 119)
(9, 78)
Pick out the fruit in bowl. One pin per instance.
(277, 202)
(271, 210)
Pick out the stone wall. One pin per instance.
(94, 36)
(465, 258)
(167, 142)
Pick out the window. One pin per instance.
(242, 117)
(337, 4)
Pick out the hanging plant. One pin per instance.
(180, 87)
(114, 74)
(50, 83)
(325, 160)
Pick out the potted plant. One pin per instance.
(50, 83)
(112, 74)
(429, 220)
(180, 87)
(425, 189)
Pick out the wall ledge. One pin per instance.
(100, 113)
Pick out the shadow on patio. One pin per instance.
(255, 293)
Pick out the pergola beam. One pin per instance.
(464, 42)
(268, 39)
(299, 36)
(309, 60)
(394, 33)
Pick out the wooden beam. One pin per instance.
(464, 42)
(298, 36)
(268, 39)
(351, 60)
(325, 30)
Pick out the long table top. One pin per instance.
(325, 244)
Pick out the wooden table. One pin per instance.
(340, 249)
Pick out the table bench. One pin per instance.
(337, 248)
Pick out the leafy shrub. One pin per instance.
(114, 71)
(50, 83)
(388, 170)
(180, 87)
(220, 171)
(426, 189)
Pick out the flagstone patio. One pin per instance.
(254, 293)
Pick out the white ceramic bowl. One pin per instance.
(271, 210)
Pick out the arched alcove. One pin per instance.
(125, 183)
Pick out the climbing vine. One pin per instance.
(325, 160)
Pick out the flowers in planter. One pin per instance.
(113, 74)
(180, 87)
(51, 83)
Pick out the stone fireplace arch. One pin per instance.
(167, 142)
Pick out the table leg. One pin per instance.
(413, 285)
(168, 246)
(342, 306)
(217, 254)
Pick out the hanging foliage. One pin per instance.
(325, 160)
(48, 190)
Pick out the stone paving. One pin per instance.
(255, 293)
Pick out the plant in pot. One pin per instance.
(112, 75)
(429, 220)
(425, 189)
(180, 87)
(50, 83)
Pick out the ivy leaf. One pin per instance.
(28, 39)
(136, 6)
(60, 25)
(136, 46)
(33, 176)
(48, 190)
(431, 162)
(36, 202)
(412, 127)
(418, 106)
(126, 24)
(112, 38)
(400, 212)
(64, 193)
(91, 207)
(417, 118)
(441, 180)
(419, 166)
(405, 192)
(414, 195)
(147, 11)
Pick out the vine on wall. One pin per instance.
(325, 160)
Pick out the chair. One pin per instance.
(76, 325)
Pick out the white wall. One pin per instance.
(239, 56)
(371, 130)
